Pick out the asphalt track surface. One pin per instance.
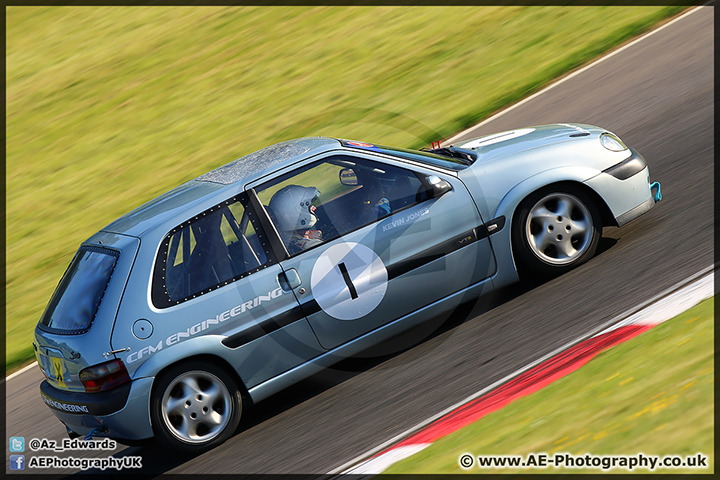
(658, 97)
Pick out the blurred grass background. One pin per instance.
(108, 107)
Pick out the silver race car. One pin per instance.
(253, 276)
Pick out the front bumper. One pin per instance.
(122, 413)
(626, 188)
(635, 212)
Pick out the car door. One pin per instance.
(392, 239)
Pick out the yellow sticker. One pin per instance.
(58, 371)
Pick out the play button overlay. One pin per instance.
(348, 281)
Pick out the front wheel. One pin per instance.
(195, 406)
(555, 230)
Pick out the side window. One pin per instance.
(211, 250)
(334, 196)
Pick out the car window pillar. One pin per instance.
(273, 236)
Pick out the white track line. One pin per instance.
(704, 278)
(381, 463)
(24, 369)
(672, 305)
(571, 75)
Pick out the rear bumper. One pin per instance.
(123, 411)
(102, 403)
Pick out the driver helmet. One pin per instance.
(291, 207)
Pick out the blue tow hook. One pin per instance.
(655, 189)
(94, 432)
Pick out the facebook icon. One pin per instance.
(17, 462)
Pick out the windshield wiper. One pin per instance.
(467, 157)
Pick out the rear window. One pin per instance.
(75, 302)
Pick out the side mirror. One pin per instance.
(348, 177)
(439, 186)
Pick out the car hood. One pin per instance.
(497, 145)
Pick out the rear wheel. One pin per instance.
(555, 229)
(195, 406)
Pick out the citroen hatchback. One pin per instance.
(262, 272)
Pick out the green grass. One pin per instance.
(652, 394)
(108, 107)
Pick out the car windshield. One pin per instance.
(448, 162)
(427, 157)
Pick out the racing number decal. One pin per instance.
(57, 366)
(348, 281)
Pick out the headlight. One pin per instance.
(612, 143)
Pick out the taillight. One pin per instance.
(104, 376)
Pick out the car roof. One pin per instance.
(208, 189)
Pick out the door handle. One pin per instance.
(289, 279)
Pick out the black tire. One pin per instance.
(195, 406)
(554, 230)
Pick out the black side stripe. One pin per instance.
(449, 246)
(436, 252)
(261, 329)
(311, 307)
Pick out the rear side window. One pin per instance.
(77, 298)
(211, 250)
